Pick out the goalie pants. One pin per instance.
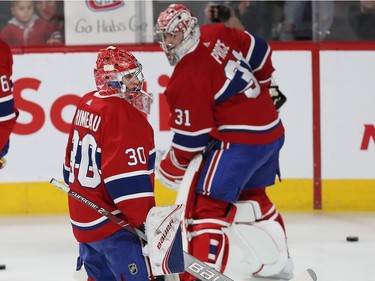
(116, 258)
(230, 168)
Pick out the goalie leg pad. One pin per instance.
(257, 249)
(247, 211)
(267, 208)
(209, 242)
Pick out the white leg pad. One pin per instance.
(258, 248)
(247, 211)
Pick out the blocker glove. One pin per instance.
(164, 240)
(170, 171)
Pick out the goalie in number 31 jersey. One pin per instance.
(110, 159)
(220, 104)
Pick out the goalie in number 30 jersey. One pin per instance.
(110, 159)
(220, 103)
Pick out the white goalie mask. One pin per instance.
(118, 72)
(175, 18)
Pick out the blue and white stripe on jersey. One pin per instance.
(151, 160)
(190, 141)
(7, 108)
(249, 128)
(129, 186)
(66, 172)
(258, 52)
(93, 224)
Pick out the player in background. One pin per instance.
(109, 159)
(220, 103)
(8, 111)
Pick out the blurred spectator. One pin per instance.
(195, 6)
(353, 20)
(53, 12)
(256, 17)
(294, 22)
(306, 20)
(26, 28)
(323, 15)
(4, 13)
(221, 12)
(363, 20)
(341, 29)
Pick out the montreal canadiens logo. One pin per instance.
(104, 5)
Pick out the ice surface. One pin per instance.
(42, 248)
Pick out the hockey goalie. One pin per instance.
(221, 106)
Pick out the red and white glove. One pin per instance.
(170, 171)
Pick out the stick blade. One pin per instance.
(307, 275)
(312, 274)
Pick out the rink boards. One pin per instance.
(328, 156)
(290, 195)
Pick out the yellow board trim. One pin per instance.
(289, 195)
(31, 198)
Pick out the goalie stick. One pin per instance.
(192, 265)
(185, 194)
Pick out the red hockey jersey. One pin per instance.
(8, 111)
(110, 159)
(220, 89)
